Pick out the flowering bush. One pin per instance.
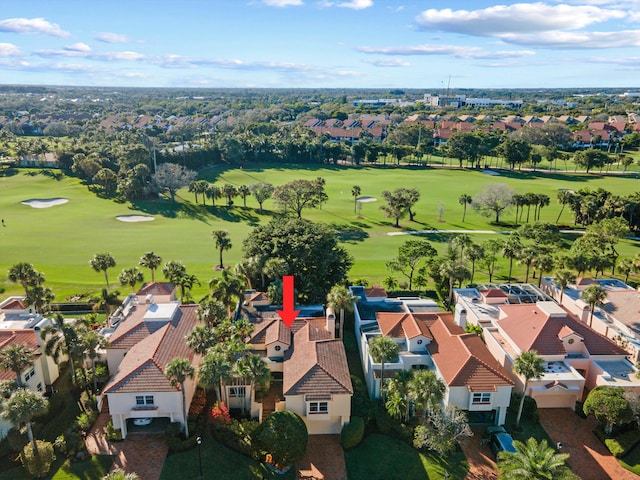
(219, 415)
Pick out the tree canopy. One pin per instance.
(283, 435)
(310, 249)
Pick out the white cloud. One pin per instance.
(9, 50)
(60, 53)
(452, 50)
(517, 18)
(577, 40)
(32, 25)
(110, 37)
(283, 3)
(78, 47)
(356, 4)
(388, 62)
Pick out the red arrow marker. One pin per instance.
(287, 314)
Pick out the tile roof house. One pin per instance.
(141, 344)
(576, 357)
(474, 380)
(312, 363)
(39, 376)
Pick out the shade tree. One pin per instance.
(410, 256)
(494, 199)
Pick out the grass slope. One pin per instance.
(60, 240)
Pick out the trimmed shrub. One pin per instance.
(38, 466)
(620, 444)
(198, 403)
(112, 434)
(176, 440)
(529, 409)
(352, 433)
(237, 435)
(85, 421)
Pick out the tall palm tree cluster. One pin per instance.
(36, 294)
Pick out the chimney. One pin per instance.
(331, 322)
(461, 316)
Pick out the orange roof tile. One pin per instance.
(462, 358)
(530, 328)
(17, 337)
(316, 367)
(401, 325)
(157, 288)
(375, 291)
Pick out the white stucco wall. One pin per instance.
(321, 424)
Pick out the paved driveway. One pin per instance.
(589, 459)
(324, 459)
(480, 457)
(143, 454)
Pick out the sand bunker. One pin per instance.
(44, 202)
(366, 199)
(135, 218)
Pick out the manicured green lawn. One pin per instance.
(94, 468)
(217, 462)
(380, 457)
(60, 240)
(631, 461)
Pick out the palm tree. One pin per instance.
(355, 193)
(564, 278)
(186, 282)
(107, 301)
(201, 339)
(462, 241)
(22, 407)
(383, 350)
(91, 343)
(427, 391)
(593, 295)
(60, 339)
(564, 198)
(103, 262)
(390, 283)
(340, 297)
(223, 242)
(511, 248)
(130, 276)
(40, 297)
(16, 358)
(626, 266)
(532, 460)
(253, 368)
(244, 192)
(544, 263)
(173, 270)
(211, 312)
(25, 274)
(151, 261)
(454, 270)
(213, 370)
(119, 474)
(227, 288)
(530, 366)
(527, 257)
(178, 371)
(464, 200)
(400, 384)
(475, 252)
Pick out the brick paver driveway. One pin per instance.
(589, 459)
(324, 459)
(482, 465)
(143, 454)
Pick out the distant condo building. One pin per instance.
(459, 101)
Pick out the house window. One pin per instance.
(277, 348)
(419, 342)
(316, 408)
(142, 400)
(481, 398)
(39, 387)
(237, 392)
(29, 374)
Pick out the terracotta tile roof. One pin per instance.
(463, 359)
(15, 304)
(565, 331)
(17, 337)
(157, 288)
(375, 291)
(258, 297)
(530, 328)
(278, 332)
(142, 369)
(401, 325)
(624, 306)
(494, 293)
(583, 281)
(316, 367)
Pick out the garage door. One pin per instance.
(324, 427)
(556, 401)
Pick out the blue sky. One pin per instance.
(321, 43)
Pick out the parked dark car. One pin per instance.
(499, 440)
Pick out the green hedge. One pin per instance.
(620, 444)
(352, 433)
(176, 440)
(237, 435)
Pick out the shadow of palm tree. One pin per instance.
(349, 233)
